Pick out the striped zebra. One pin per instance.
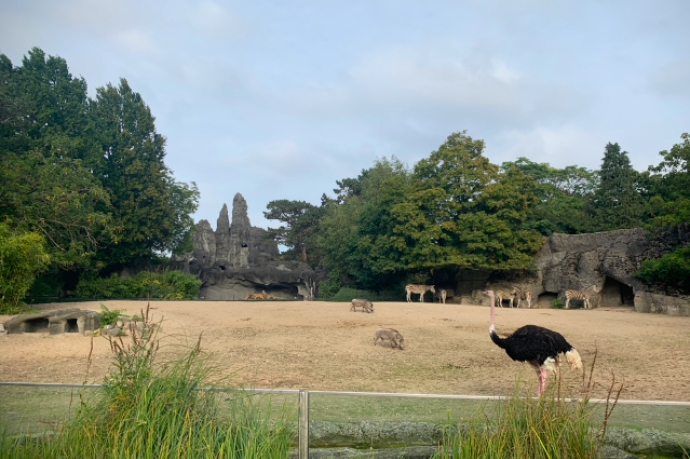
(582, 295)
(523, 295)
(419, 290)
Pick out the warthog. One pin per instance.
(391, 335)
(366, 305)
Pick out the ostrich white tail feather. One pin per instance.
(574, 360)
(550, 364)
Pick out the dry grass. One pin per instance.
(319, 345)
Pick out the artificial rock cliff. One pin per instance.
(238, 259)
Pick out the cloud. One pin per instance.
(214, 21)
(135, 40)
(671, 79)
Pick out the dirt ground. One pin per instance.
(324, 346)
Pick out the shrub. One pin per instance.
(108, 317)
(22, 257)
(171, 285)
(672, 269)
(557, 303)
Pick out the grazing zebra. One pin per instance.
(503, 295)
(525, 295)
(582, 295)
(418, 289)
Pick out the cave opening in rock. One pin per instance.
(616, 293)
(39, 325)
(546, 300)
(71, 326)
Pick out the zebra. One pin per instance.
(418, 289)
(523, 295)
(582, 295)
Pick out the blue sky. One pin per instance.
(278, 100)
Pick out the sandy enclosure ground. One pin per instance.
(324, 346)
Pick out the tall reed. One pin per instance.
(151, 410)
(547, 427)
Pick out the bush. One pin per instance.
(108, 317)
(170, 285)
(22, 257)
(557, 303)
(672, 269)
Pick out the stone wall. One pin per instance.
(607, 259)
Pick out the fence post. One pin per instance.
(303, 447)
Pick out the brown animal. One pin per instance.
(366, 305)
(503, 295)
(522, 295)
(391, 335)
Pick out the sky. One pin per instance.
(278, 100)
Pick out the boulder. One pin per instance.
(54, 322)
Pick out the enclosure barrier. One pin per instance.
(303, 409)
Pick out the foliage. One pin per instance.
(22, 256)
(299, 230)
(149, 409)
(56, 197)
(87, 174)
(563, 197)
(558, 303)
(617, 202)
(669, 186)
(330, 286)
(149, 208)
(462, 212)
(672, 269)
(172, 285)
(108, 317)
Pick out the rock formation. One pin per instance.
(610, 258)
(54, 322)
(238, 259)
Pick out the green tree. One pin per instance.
(563, 197)
(299, 230)
(668, 185)
(44, 186)
(150, 210)
(463, 213)
(617, 202)
(22, 256)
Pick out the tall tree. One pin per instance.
(617, 202)
(464, 213)
(135, 174)
(299, 230)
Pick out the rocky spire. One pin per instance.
(223, 223)
(239, 212)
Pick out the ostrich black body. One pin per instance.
(532, 343)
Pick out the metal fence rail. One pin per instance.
(303, 407)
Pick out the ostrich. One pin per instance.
(535, 345)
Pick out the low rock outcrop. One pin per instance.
(54, 322)
(238, 259)
(606, 259)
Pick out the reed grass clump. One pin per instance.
(159, 410)
(546, 427)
